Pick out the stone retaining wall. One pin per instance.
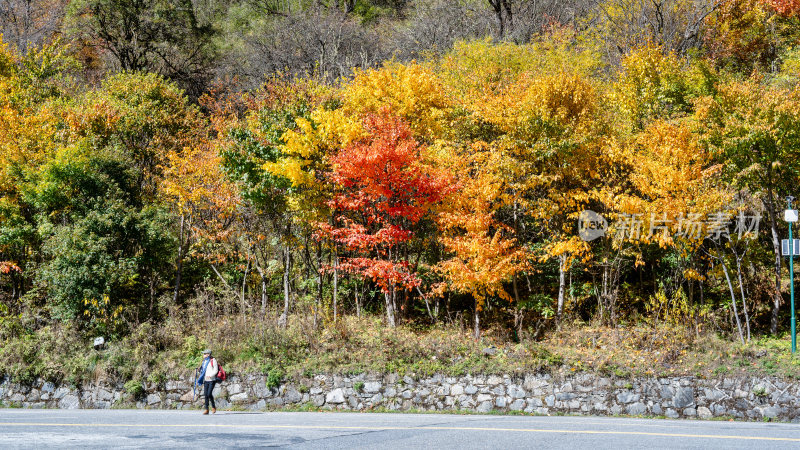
(587, 394)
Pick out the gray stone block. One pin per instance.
(637, 409)
(494, 380)
(627, 397)
(483, 398)
(69, 402)
(600, 407)
(61, 393)
(516, 392)
(372, 387)
(770, 412)
(239, 398)
(292, 395)
(684, 397)
(335, 397)
(666, 392)
(704, 413)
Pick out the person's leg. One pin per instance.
(207, 392)
(211, 396)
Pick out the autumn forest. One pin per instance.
(281, 174)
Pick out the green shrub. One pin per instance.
(275, 378)
(135, 389)
(191, 352)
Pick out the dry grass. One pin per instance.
(668, 351)
(155, 353)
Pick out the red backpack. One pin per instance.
(221, 375)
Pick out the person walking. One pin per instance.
(208, 378)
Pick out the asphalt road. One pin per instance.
(169, 429)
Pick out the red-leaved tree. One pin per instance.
(383, 190)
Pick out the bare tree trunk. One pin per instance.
(225, 282)
(562, 285)
(744, 303)
(284, 316)
(152, 293)
(244, 287)
(509, 14)
(427, 305)
(179, 268)
(502, 10)
(395, 310)
(733, 299)
(389, 308)
(335, 286)
(477, 331)
(390, 302)
(776, 248)
(358, 303)
(318, 302)
(498, 11)
(263, 294)
(696, 314)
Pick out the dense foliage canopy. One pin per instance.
(427, 160)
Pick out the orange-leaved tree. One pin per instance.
(485, 252)
(786, 8)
